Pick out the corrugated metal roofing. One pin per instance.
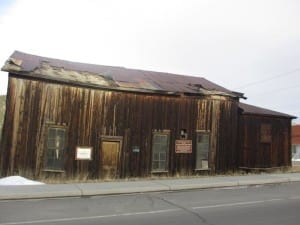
(123, 77)
(250, 109)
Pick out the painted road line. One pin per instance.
(90, 217)
(236, 204)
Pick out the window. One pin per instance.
(265, 133)
(294, 151)
(183, 134)
(54, 155)
(160, 149)
(202, 151)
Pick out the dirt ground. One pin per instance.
(295, 167)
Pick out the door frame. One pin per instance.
(112, 139)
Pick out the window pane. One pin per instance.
(61, 133)
(59, 142)
(202, 150)
(163, 139)
(160, 148)
(162, 165)
(51, 143)
(155, 165)
(162, 156)
(156, 139)
(54, 154)
(294, 149)
(155, 156)
(51, 133)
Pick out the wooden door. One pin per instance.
(110, 159)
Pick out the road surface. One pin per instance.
(262, 205)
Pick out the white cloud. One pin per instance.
(231, 42)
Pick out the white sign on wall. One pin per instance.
(84, 153)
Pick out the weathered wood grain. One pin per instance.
(88, 114)
(254, 153)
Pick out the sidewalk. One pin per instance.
(128, 187)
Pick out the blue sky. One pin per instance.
(250, 46)
(5, 5)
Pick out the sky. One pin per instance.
(249, 46)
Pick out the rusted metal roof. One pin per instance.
(112, 77)
(250, 109)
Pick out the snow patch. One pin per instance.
(18, 180)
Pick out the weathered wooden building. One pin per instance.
(264, 138)
(75, 119)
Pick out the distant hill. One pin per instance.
(2, 111)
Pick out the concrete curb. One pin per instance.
(120, 188)
(38, 191)
(189, 184)
(263, 182)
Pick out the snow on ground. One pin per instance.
(18, 180)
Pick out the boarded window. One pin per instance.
(202, 151)
(160, 149)
(265, 133)
(54, 155)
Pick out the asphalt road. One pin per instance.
(263, 205)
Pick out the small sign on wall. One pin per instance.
(83, 153)
(183, 146)
(136, 149)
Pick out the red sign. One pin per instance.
(183, 146)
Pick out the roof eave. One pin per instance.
(269, 115)
(32, 74)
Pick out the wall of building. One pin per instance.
(2, 112)
(89, 114)
(271, 149)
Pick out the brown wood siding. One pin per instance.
(257, 154)
(88, 114)
(296, 134)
